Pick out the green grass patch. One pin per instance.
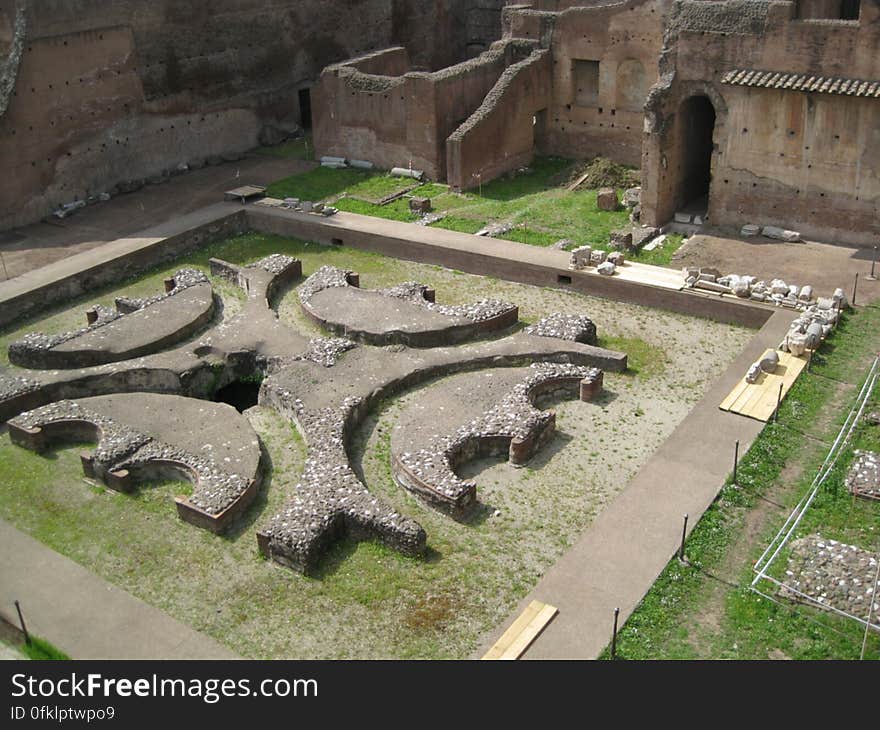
(671, 621)
(319, 184)
(527, 235)
(542, 212)
(660, 256)
(375, 188)
(41, 650)
(642, 358)
(462, 225)
(397, 210)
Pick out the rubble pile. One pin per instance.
(573, 327)
(863, 478)
(834, 575)
(329, 497)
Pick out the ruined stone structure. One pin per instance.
(100, 97)
(748, 110)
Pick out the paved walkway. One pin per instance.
(618, 558)
(84, 615)
(31, 247)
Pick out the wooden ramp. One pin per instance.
(758, 400)
(522, 632)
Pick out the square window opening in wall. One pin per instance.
(586, 82)
(337, 241)
(563, 279)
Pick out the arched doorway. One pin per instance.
(697, 129)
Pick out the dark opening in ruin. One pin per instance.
(305, 108)
(698, 126)
(240, 394)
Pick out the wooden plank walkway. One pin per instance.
(522, 632)
(758, 400)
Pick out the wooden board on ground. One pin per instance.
(245, 192)
(522, 632)
(577, 183)
(758, 400)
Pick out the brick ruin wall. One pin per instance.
(96, 93)
(810, 161)
(368, 109)
(604, 61)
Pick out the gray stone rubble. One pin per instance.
(325, 351)
(15, 385)
(863, 478)
(834, 575)
(329, 497)
(573, 327)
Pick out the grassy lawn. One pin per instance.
(703, 608)
(540, 211)
(367, 600)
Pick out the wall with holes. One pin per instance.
(108, 94)
(605, 60)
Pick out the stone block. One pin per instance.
(606, 199)
(620, 240)
(420, 206)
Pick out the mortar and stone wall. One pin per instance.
(374, 108)
(97, 97)
(787, 149)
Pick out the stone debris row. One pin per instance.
(122, 447)
(863, 478)
(326, 277)
(514, 418)
(572, 327)
(811, 327)
(27, 351)
(605, 263)
(413, 292)
(833, 574)
(775, 291)
(329, 497)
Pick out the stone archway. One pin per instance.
(696, 131)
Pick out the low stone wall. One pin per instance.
(481, 317)
(409, 247)
(119, 267)
(125, 456)
(122, 334)
(514, 426)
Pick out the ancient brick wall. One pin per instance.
(110, 91)
(500, 135)
(605, 59)
(802, 159)
(398, 120)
